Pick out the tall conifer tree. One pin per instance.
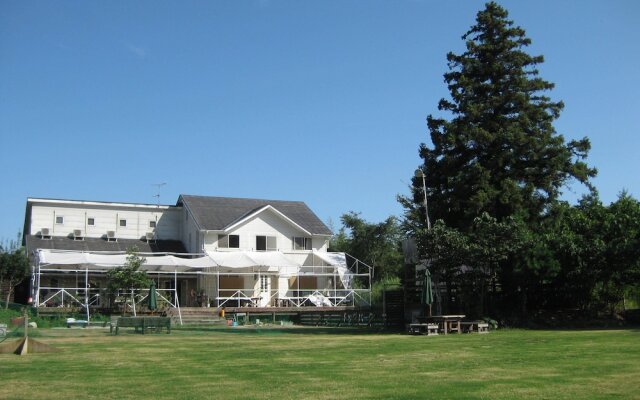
(499, 152)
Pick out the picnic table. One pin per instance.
(423, 329)
(142, 324)
(448, 323)
(475, 326)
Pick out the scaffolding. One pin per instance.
(254, 280)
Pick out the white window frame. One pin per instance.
(307, 243)
(60, 218)
(225, 244)
(273, 246)
(120, 225)
(91, 221)
(265, 283)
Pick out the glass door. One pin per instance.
(265, 290)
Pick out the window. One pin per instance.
(59, 220)
(152, 224)
(229, 241)
(266, 243)
(123, 222)
(301, 243)
(91, 221)
(265, 283)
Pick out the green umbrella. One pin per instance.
(427, 291)
(153, 298)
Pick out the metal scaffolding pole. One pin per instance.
(86, 291)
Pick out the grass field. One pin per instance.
(308, 363)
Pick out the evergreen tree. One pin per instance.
(377, 245)
(499, 153)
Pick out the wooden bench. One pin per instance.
(422, 329)
(142, 324)
(475, 326)
(483, 327)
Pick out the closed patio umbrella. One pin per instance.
(153, 298)
(427, 291)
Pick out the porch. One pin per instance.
(267, 282)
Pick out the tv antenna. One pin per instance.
(157, 195)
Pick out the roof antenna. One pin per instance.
(157, 195)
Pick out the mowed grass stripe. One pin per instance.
(326, 364)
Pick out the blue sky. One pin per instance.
(319, 101)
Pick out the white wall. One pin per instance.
(174, 223)
(190, 234)
(266, 223)
(106, 218)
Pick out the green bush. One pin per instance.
(386, 283)
(493, 324)
(7, 315)
(12, 306)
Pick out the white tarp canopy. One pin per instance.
(167, 263)
(231, 259)
(269, 261)
(338, 260)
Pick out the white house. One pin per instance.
(210, 251)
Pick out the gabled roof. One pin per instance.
(219, 213)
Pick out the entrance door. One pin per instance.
(265, 290)
(186, 293)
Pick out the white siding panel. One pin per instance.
(41, 218)
(211, 241)
(168, 226)
(190, 233)
(105, 219)
(267, 223)
(320, 243)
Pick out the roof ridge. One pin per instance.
(241, 198)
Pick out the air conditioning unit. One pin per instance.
(77, 234)
(44, 233)
(111, 236)
(151, 237)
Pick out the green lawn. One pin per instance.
(307, 363)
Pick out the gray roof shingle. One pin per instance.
(94, 244)
(217, 213)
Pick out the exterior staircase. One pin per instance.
(196, 316)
